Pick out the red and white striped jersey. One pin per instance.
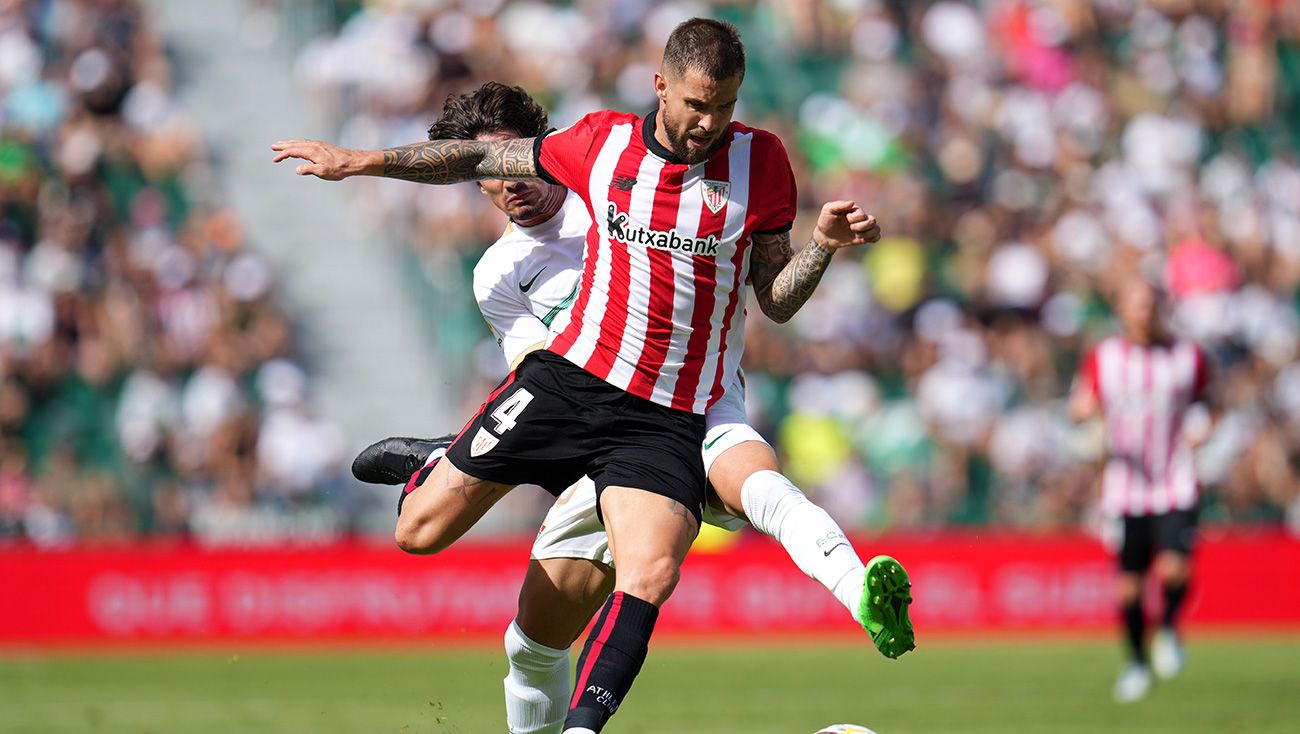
(661, 308)
(1144, 393)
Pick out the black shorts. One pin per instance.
(1145, 535)
(551, 422)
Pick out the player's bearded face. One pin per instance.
(694, 112)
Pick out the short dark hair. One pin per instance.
(492, 108)
(711, 47)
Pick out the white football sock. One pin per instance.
(537, 686)
(814, 541)
(434, 455)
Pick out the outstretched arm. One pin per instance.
(783, 281)
(432, 161)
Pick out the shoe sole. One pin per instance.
(886, 596)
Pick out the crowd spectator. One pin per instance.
(1021, 156)
(147, 366)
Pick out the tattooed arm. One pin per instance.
(433, 161)
(783, 281)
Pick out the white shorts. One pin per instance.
(571, 529)
(725, 426)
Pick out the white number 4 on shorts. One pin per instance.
(507, 413)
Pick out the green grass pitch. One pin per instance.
(1246, 685)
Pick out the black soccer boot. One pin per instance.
(394, 460)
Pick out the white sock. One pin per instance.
(434, 455)
(579, 730)
(537, 686)
(814, 541)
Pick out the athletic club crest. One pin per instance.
(715, 194)
(483, 442)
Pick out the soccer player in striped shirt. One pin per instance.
(1145, 387)
(528, 278)
(686, 206)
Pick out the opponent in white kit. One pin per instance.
(524, 285)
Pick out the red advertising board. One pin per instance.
(171, 593)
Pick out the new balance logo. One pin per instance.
(623, 183)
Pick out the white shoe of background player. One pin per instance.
(1133, 684)
(1166, 653)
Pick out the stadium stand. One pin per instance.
(1020, 155)
(150, 383)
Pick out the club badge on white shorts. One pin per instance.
(715, 194)
(483, 442)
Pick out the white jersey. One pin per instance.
(529, 277)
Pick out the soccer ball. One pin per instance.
(844, 729)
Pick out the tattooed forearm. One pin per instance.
(435, 162)
(784, 281)
(453, 161)
(509, 159)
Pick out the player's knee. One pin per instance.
(516, 647)
(418, 536)
(520, 652)
(653, 581)
(1128, 588)
(1172, 568)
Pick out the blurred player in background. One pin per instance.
(1145, 386)
(688, 206)
(522, 283)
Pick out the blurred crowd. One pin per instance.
(148, 378)
(1022, 155)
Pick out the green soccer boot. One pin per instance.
(886, 595)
